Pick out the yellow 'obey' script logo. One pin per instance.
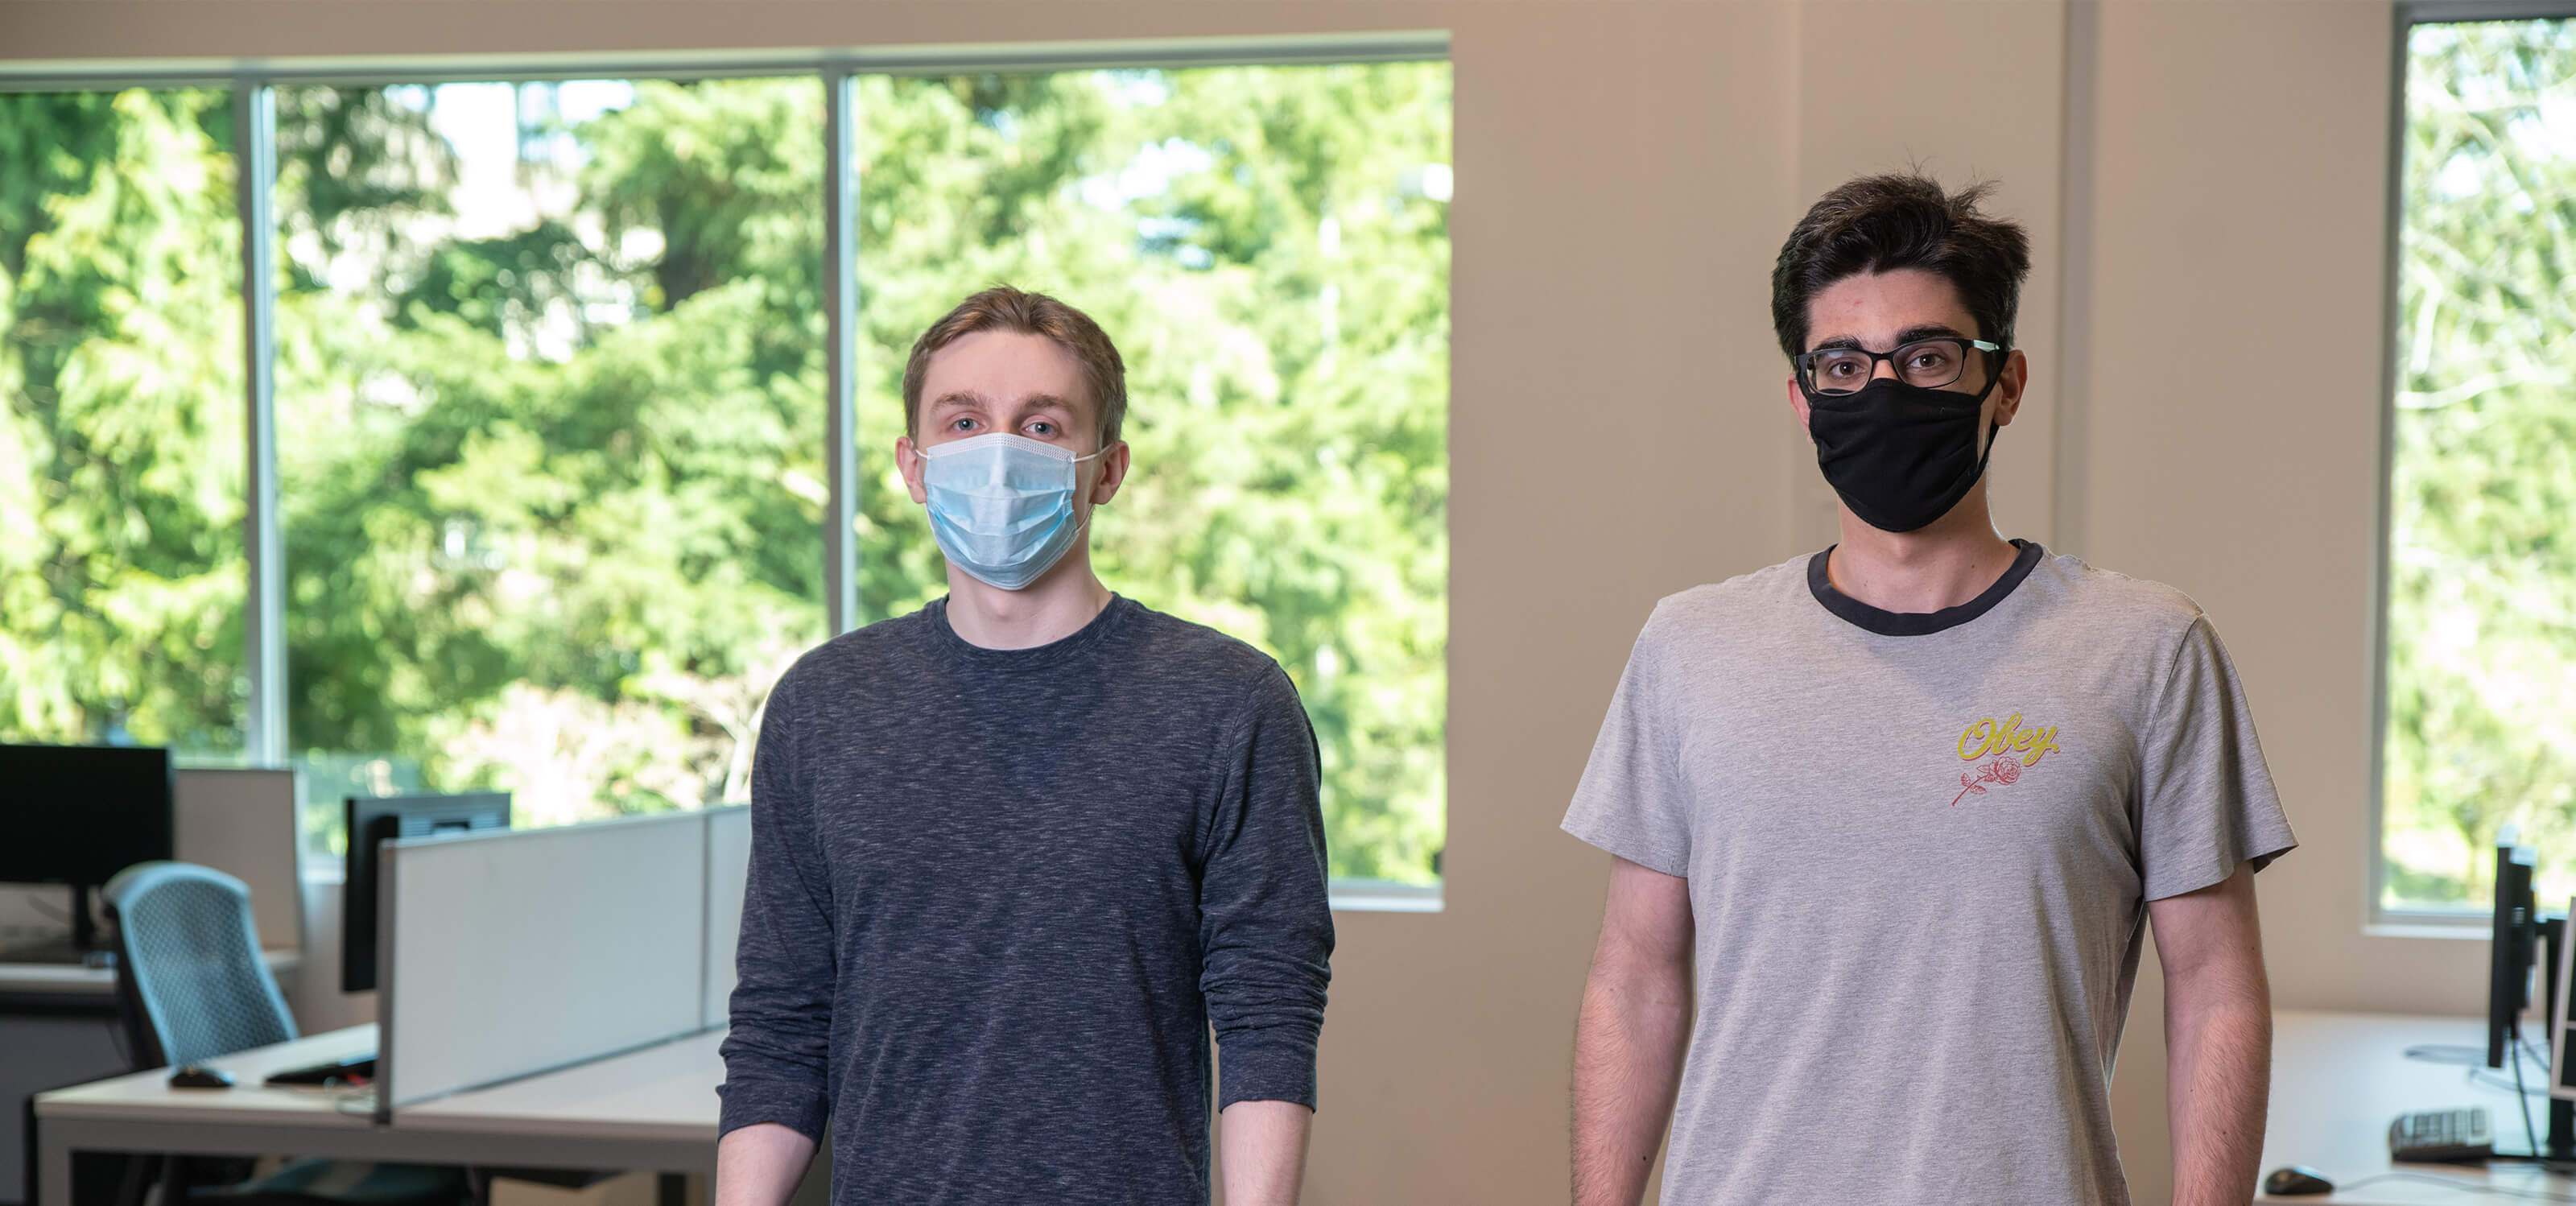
(1986, 738)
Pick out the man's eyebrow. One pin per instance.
(1925, 330)
(1929, 330)
(958, 397)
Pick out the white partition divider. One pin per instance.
(728, 873)
(511, 953)
(243, 823)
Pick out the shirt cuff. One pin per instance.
(799, 1108)
(1268, 1065)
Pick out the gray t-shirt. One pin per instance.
(1920, 849)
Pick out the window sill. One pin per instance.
(1348, 895)
(2427, 928)
(1379, 896)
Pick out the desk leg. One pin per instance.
(674, 1189)
(53, 1168)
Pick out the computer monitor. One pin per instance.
(2509, 952)
(379, 819)
(2562, 1070)
(2522, 936)
(77, 815)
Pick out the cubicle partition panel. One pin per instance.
(728, 870)
(513, 953)
(242, 822)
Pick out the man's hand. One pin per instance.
(1264, 1146)
(1635, 1027)
(2218, 1038)
(761, 1165)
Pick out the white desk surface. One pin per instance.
(147, 1096)
(666, 1091)
(651, 1108)
(74, 980)
(660, 1093)
(2339, 1079)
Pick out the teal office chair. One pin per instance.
(194, 988)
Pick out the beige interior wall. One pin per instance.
(1626, 171)
(2243, 184)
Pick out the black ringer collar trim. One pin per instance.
(1918, 623)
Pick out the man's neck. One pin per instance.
(1929, 569)
(1054, 607)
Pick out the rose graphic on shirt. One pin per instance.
(2000, 772)
(2003, 749)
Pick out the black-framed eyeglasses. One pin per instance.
(1929, 363)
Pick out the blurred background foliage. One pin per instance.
(551, 407)
(2481, 683)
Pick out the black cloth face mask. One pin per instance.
(1900, 455)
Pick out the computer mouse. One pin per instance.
(2296, 1181)
(194, 1077)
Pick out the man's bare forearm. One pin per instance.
(1628, 1048)
(2219, 1064)
(1264, 1146)
(2218, 1039)
(761, 1165)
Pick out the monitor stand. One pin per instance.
(2557, 1144)
(80, 949)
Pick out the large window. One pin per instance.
(121, 421)
(1269, 246)
(550, 434)
(2480, 680)
(554, 367)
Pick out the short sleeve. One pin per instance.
(1630, 801)
(2206, 800)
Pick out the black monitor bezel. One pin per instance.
(371, 821)
(140, 834)
(2514, 928)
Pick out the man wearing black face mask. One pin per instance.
(1897, 808)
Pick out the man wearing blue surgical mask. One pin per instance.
(1016, 854)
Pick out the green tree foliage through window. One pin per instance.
(1269, 246)
(550, 400)
(121, 466)
(551, 390)
(2481, 674)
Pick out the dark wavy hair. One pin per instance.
(1884, 223)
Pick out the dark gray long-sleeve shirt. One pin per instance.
(998, 898)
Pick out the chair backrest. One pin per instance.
(189, 965)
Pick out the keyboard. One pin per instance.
(355, 1070)
(2437, 1136)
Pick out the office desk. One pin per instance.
(59, 1026)
(650, 1109)
(31, 987)
(2338, 1079)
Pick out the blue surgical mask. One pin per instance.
(1001, 505)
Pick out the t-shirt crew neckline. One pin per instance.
(1917, 623)
(964, 652)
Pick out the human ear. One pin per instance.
(907, 461)
(1113, 473)
(1798, 407)
(2008, 390)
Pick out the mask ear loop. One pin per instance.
(1085, 525)
(1994, 431)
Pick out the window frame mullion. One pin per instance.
(840, 353)
(264, 601)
